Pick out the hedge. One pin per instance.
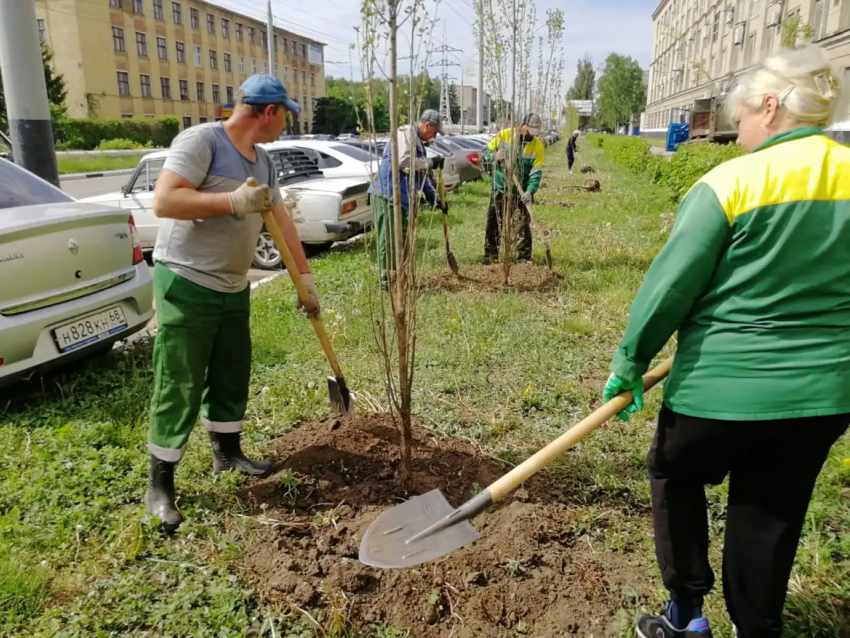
(85, 134)
(683, 170)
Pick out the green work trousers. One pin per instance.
(386, 237)
(202, 362)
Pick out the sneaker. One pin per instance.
(661, 627)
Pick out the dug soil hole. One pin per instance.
(532, 573)
(523, 278)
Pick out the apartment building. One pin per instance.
(468, 96)
(701, 45)
(138, 58)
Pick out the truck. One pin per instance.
(709, 122)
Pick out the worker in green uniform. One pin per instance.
(529, 171)
(756, 280)
(210, 194)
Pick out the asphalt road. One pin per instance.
(92, 186)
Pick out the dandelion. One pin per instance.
(846, 461)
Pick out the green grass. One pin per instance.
(71, 164)
(505, 369)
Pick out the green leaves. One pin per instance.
(621, 91)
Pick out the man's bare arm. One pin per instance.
(290, 234)
(175, 197)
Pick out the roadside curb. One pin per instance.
(72, 177)
(266, 280)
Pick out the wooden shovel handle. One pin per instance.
(303, 295)
(574, 435)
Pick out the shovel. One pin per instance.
(338, 391)
(441, 192)
(543, 234)
(427, 527)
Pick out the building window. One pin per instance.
(198, 60)
(819, 21)
(42, 39)
(294, 48)
(715, 29)
(202, 120)
(123, 83)
(195, 18)
(239, 32)
(115, 4)
(264, 38)
(265, 66)
(750, 50)
(723, 62)
(227, 63)
(251, 35)
(161, 49)
(241, 64)
(216, 96)
(213, 59)
(229, 93)
(138, 7)
(313, 80)
(754, 8)
(157, 10)
(303, 78)
(126, 116)
(165, 87)
(254, 67)
(225, 28)
(146, 85)
(177, 13)
(768, 40)
(118, 39)
(285, 46)
(184, 90)
(304, 51)
(202, 93)
(181, 53)
(187, 122)
(142, 44)
(211, 23)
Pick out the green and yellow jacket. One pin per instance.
(529, 161)
(756, 279)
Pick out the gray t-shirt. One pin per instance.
(215, 252)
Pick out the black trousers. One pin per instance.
(493, 232)
(772, 468)
(571, 159)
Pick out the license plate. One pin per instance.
(86, 330)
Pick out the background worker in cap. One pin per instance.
(412, 159)
(210, 193)
(572, 149)
(529, 170)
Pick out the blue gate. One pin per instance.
(679, 129)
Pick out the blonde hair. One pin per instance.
(803, 82)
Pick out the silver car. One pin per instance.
(72, 277)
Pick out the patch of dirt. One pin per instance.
(523, 278)
(534, 572)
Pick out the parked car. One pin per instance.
(334, 159)
(375, 148)
(348, 136)
(5, 147)
(73, 280)
(466, 161)
(327, 210)
(327, 138)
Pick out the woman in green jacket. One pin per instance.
(756, 280)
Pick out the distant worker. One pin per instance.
(411, 158)
(210, 194)
(572, 149)
(529, 171)
(756, 281)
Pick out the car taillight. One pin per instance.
(348, 207)
(2, 362)
(138, 256)
(474, 158)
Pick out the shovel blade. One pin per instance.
(453, 264)
(340, 397)
(387, 543)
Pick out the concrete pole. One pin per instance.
(270, 41)
(27, 108)
(479, 105)
(461, 100)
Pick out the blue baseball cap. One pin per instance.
(263, 88)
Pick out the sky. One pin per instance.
(597, 27)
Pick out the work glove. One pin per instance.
(443, 206)
(500, 155)
(311, 309)
(525, 198)
(437, 163)
(617, 385)
(251, 198)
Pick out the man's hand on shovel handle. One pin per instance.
(251, 198)
(312, 307)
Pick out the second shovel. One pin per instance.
(441, 192)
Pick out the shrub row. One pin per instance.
(85, 134)
(683, 170)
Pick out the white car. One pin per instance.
(327, 210)
(73, 280)
(334, 159)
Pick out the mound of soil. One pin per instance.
(532, 573)
(523, 278)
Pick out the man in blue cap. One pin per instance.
(210, 194)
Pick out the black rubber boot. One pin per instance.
(160, 497)
(227, 455)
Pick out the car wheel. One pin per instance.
(267, 256)
(311, 250)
